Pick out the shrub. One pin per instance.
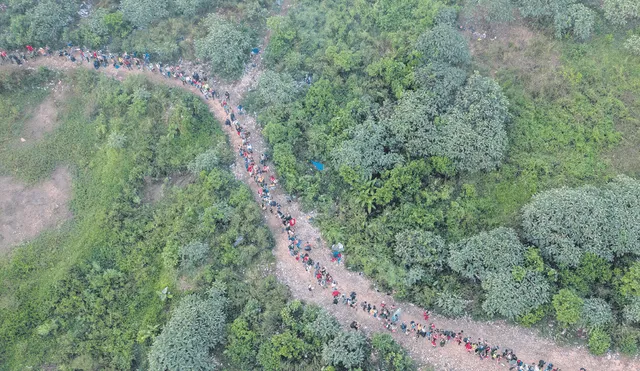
(472, 134)
(141, 13)
(599, 341)
(633, 45)
(443, 43)
(512, 298)
(226, 46)
(193, 254)
(195, 328)
(568, 307)
(596, 312)
(347, 349)
(205, 161)
(494, 251)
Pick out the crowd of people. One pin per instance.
(138, 61)
(266, 180)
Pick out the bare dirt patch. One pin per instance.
(44, 119)
(530, 56)
(155, 189)
(26, 211)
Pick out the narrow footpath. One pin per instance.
(527, 345)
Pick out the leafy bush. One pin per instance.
(226, 46)
(193, 254)
(620, 12)
(473, 133)
(443, 43)
(599, 341)
(451, 304)
(205, 161)
(347, 349)
(194, 330)
(532, 291)
(633, 45)
(568, 307)
(141, 13)
(567, 223)
(596, 312)
(496, 251)
(389, 355)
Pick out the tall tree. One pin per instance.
(226, 46)
(195, 328)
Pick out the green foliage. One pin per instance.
(631, 311)
(630, 282)
(103, 271)
(195, 328)
(633, 45)
(369, 151)
(142, 13)
(473, 133)
(389, 355)
(226, 46)
(444, 44)
(205, 161)
(562, 221)
(274, 90)
(568, 307)
(496, 251)
(451, 304)
(191, 8)
(599, 341)
(347, 349)
(193, 254)
(620, 12)
(596, 312)
(324, 327)
(626, 340)
(532, 291)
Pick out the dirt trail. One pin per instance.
(529, 347)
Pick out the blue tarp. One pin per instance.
(255, 50)
(318, 165)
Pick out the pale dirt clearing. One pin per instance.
(26, 211)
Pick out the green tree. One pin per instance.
(596, 312)
(275, 90)
(370, 150)
(205, 161)
(633, 45)
(443, 43)
(472, 134)
(599, 341)
(48, 19)
(195, 328)
(568, 307)
(389, 355)
(498, 250)
(191, 8)
(562, 223)
(141, 13)
(424, 248)
(347, 349)
(324, 327)
(511, 297)
(631, 311)
(226, 46)
(193, 254)
(620, 12)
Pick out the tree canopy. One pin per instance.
(195, 328)
(226, 46)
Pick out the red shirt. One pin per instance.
(30, 48)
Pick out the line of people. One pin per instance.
(267, 182)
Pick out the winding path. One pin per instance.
(527, 345)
